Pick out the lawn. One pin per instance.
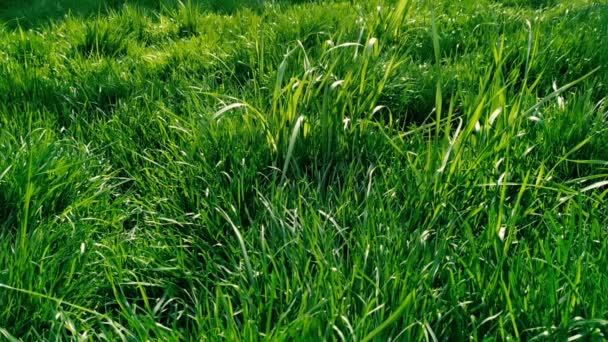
(363, 170)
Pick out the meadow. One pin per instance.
(282, 170)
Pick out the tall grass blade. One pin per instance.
(292, 143)
(392, 318)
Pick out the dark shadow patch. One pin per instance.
(533, 4)
(38, 13)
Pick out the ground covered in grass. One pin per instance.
(299, 170)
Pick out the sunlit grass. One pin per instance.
(301, 170)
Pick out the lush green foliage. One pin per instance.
(299, 170)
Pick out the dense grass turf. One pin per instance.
(363, 170)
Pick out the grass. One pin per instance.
(298, 170)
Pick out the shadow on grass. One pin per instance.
(36, 13)
(533, 4)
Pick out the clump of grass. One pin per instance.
(103, 39)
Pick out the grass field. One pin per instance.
(367, 170)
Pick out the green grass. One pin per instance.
(304, 170)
